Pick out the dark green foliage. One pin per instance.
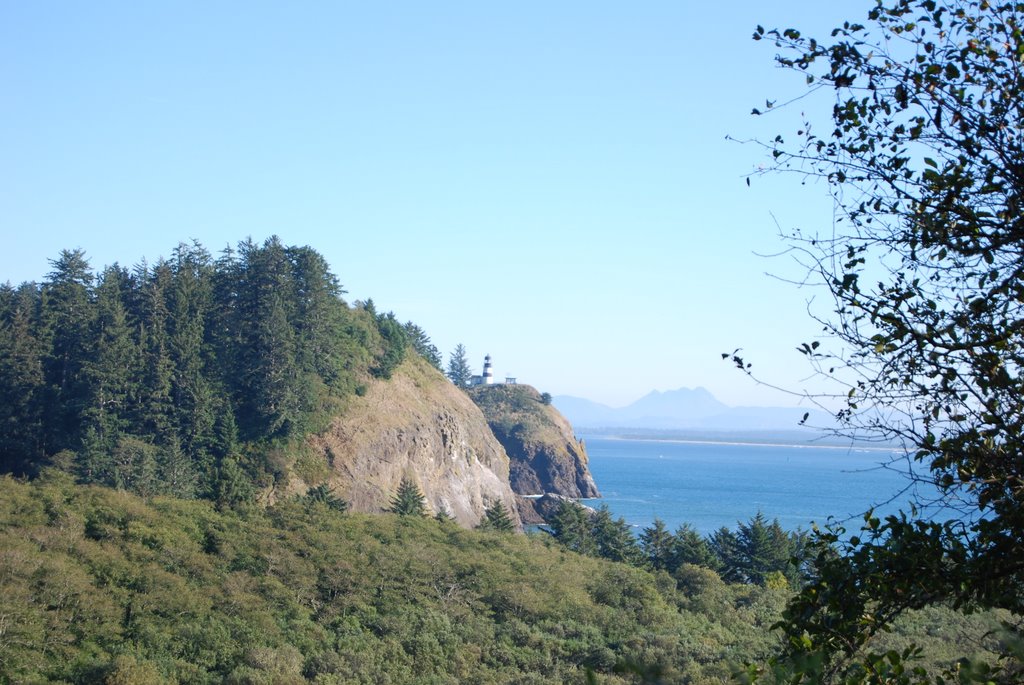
(921, 150)
(155, 415)
(409, 500)
(322, 494)
(545, 398)
(420, 342)
(65, 325)
(231, 487)
(594, 533)
(270, 389)
(571, 527)
(497, 518)
(393, 345)
(656, 546)
(689, 547)
(459, 371)
(758, 552)
(21, 381)
(160, 379)
(613, 539)
(762, 549)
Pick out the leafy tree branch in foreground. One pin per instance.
(925, 268)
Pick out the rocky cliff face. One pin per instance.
(416, 424)
(545, 454)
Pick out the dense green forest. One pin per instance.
(758, 551)
(191, 376)
(101, 585)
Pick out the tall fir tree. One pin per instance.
(497, 518)
(409, 500)
(189, 305)
(571, 527)
(268, 383)
(420, 342)
(21, 381)
(763, 548)
(111, 373)
(319, 318)
(156, 415)
(656, 545)
(725, 546)
(690, 547)
(613, 538)
(67, 322)
(459, 371)
(393, 344)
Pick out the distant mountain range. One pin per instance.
(684, 409)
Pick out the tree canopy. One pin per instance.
(925, 268)
(187, 376)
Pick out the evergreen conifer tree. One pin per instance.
(763, 548)
(612, 537)
(21, 381)
(323, 494)
(110, 373)
(459, 372)
(656, 545)
(155, 404)
(232, 488)
(177, 472)
(725, 547)
(689, 547)
(409, 500)
(67, 322)
(420, 342)
(393, 344)
(189, 307)
(496, 517)
(571, 527)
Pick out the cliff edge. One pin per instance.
(545, 454)
(416, 424)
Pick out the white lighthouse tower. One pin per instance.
(488, 376)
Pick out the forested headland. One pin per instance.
(194, 376)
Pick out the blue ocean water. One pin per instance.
(710, 485)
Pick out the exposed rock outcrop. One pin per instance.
(545, 455)
(539, 510)
(528, 513)
(416, 424)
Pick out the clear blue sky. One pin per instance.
(546, 182)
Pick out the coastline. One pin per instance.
(712, 483)
(855, 447)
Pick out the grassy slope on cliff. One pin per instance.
(546, 455)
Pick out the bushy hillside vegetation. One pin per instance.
(98, 585)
